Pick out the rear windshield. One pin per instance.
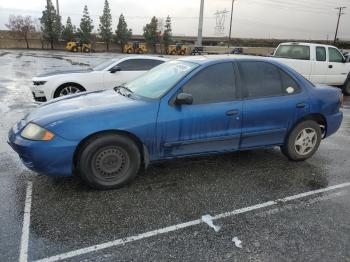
(293, 52)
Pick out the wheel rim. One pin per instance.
(110, 163)
(68, 90)
(305, 141)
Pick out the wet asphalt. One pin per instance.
(66, 215)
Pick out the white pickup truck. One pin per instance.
(321, 64)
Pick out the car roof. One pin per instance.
(306, 44)
(204, 59)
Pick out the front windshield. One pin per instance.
(160, 79)
(104, 65)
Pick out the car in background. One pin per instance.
(321, 64)
(186, 107)
(107, 75)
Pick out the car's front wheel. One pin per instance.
(303, 141)
(109, 161)
(68, 89)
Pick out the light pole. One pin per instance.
(200, 25)
(229, 35)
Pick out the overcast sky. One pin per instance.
(311, 19)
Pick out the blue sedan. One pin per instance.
(186, 107)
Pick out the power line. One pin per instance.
(341, 8)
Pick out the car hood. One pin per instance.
(79, 105)
(62, 72)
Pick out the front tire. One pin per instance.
(68, 89)
(303, 141)
(109, 161)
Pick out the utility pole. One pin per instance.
(229, 35)
(200, 25)
(341, 8)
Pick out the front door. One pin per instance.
(211, 124)
(337, 68)
(273, 100)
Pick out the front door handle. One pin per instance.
(232, 112)
(300, 105)
(330, 66)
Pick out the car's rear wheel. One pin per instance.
(68, 89)
(346, 88)
(303, 141)
(109, 161)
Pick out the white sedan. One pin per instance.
(107, 75)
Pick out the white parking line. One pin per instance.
(23, 254)
(125, 240)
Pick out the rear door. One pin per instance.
(211, 124)
(320, 66)
(273, 100)
(130, 69)
(337, 68)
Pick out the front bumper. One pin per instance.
(38, 94)
(51, 158)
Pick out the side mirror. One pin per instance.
(184, 99)
(115, 69)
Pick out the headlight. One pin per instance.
(35, 132)
(39, 83)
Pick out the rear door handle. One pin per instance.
(330, 66)
(300, 105)
(232, 112)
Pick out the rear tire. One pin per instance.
(303, 141)
(346, 88)
(109, 161)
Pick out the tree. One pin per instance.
(167, 34)
(22, 25)
(68, 31)
(106, 25)
(122, 32)
(50, 23)
(150, 32)
(86, 27)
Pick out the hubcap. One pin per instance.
(111, 162)
(305, 141)
(68, 90)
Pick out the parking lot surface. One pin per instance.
(279, 210)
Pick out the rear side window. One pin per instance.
(213, 84)
(139, 64)
(261, 79)
(335, 56)
(321, 54)
(293, 51)
(289, 86)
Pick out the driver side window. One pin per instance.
(335, 56)
(139, 64)
(213, 84)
